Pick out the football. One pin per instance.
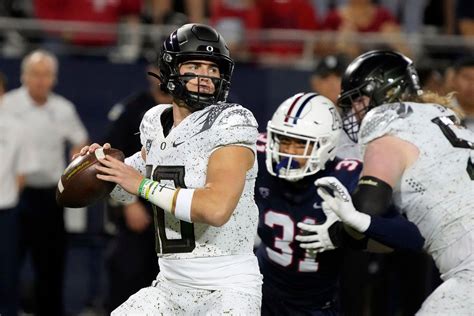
(79, 186)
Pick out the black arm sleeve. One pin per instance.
(372, 196)
(395, 231)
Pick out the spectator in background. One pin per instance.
(432, 79)
(49, 121)
(132, 261)
(411, 13)
(326, 77)
(17, 160)
(465, 17)
(285, 14)
(176, 11)
(462, 82)
(235, 20)
(97, 11)
(362, 16)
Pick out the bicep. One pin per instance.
(228, 167)
(385, 158)
(226, 173)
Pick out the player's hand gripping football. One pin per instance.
(340, 202)
(113, 170)
(316, 236)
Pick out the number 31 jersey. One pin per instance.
(437, 191)
(289, 270)
(181, 159)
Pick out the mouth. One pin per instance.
(204, 89)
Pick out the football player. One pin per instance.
(417, 155)
(301, 142)
(198, 159)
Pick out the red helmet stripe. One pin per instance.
(287, 116)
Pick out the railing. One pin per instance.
(35, 31)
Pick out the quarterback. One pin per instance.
(197, 167)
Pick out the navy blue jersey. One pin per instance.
(288, 272)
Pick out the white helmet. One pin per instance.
(308, 117)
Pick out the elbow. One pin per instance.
(218, 216)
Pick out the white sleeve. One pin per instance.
(118, 193)
(237, 126)
(76, 133)
(27, 160)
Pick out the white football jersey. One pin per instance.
(181, 159)
(437, 191)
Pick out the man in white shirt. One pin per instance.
(49, 121)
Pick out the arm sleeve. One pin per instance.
(395, 231)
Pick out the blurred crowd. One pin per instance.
(128, 29)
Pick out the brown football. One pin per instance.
(79, 186)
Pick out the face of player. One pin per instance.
(359, 106)
(202, 68)
(39, 78)
(294, 146)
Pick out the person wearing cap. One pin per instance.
(326, 77)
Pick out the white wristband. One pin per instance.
(161, 195)
(184, 200)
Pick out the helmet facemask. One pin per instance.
(314, 131)
(380, 88)
(195, 42)
(286, 165)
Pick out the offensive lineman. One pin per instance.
(418, 155)
(198, 156)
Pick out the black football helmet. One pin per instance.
(194, 42)
(383, 76)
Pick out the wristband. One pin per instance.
(160, 195)
(184, 198)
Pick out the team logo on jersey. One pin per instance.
(317, 206)
(148, 145)
(264, 192)
(176, 144)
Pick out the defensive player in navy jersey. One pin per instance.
(301, 142)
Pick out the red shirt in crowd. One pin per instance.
(98, 11)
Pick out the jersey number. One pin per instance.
(284, 255)
(449, 128)
(187, 241)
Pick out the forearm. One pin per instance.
(395, 232)
(212, 207)
(203, 205)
